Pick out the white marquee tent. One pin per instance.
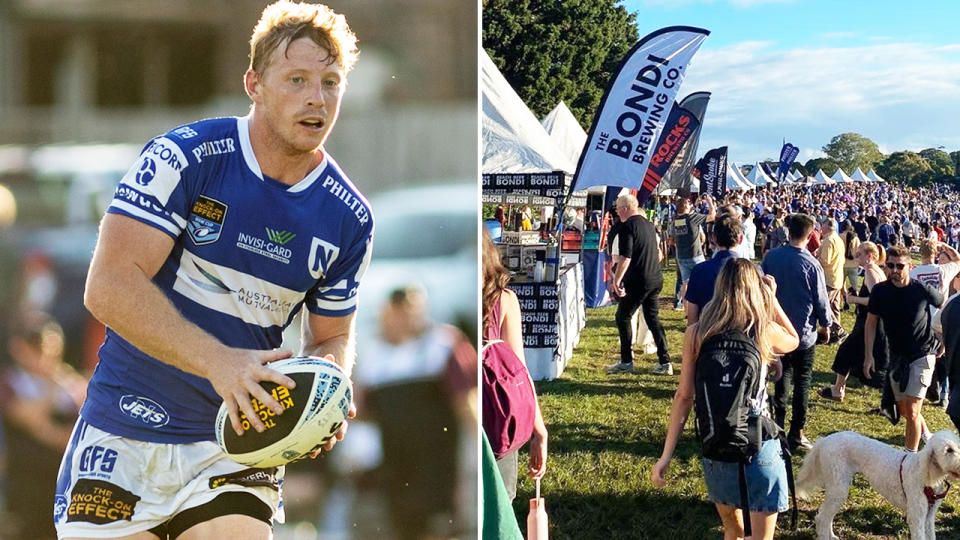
(822, 178)
(565, 131)
(759, 178)
(874, 176)
(735, 179)
(513, 139)
(858, 176)
(841, 177)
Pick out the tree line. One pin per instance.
(567, 50)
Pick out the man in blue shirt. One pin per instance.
(726, 233)
(802, 292)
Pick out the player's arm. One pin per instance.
(331, 336)
(120, 293)
(335, 339)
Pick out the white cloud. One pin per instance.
(898, 94)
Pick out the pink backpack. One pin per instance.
(509, 401)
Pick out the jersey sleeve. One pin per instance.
(336, 294)
(152, 191)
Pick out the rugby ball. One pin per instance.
(313, 412)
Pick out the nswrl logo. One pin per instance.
(280, 237)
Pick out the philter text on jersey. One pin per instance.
(213, 148)
(341, 192)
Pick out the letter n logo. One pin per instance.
(322, 255)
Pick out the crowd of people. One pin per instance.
(821, 249)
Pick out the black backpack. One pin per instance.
(727, 378)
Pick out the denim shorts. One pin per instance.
(686, 266)
(766, 480)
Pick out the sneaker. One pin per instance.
(837, 336)
(801, 444)
(619, 367)
(662, 369)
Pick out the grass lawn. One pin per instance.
(606, 432)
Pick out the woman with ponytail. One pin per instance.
(850, 353)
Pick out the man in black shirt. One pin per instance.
(903, 304)
(638, 281)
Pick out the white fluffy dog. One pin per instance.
(913, 482)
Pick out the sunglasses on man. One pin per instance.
(896, 266)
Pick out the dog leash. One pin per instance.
(932, 497)
(901, 477)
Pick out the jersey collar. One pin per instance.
(243, 130)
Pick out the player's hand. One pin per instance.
(236, 377)
(340, 433)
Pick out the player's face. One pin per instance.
(299, 95)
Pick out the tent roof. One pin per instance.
(874, 176)
(513, 139)
(735, 179)
(822, 178)
(841, 176)
(759, 178)
(858, 176)
(565, 131)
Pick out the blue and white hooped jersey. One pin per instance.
(249, 252)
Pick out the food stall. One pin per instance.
(548, 281)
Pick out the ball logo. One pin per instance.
(148, 169)
(281, 394)
(144, 409)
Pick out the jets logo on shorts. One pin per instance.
(206, 220)
(148, 169)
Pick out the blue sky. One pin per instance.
(807, 70)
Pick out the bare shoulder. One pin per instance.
(509, 301)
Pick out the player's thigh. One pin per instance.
(234, 527)
(137, 536)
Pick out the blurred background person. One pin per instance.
(40, 398)
(418, 384)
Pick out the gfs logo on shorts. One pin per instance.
(144, 409)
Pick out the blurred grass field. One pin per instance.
(606, 433)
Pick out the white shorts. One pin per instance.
(111, 486)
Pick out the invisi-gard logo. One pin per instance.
(280, 237)
(271, 247)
